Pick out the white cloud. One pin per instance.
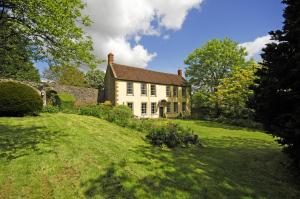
(254, 47)
(116, 22)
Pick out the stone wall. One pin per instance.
(84, 96)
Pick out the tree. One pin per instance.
(53, 30)
(234, 91)
(277, 96)
(15, 53)
(209, 64)
(66, 75)
(95, 78)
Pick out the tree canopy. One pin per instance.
(277, 96)
(212, 62)
(53, 30)
(95, 78)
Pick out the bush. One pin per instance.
(172, 135)
(18, 99)
(100, 111)
(67, 100)
(50, 109)
(120, 115)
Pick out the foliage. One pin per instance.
(53, 29)
(277, 96)
(211, 63)
(15, 54)
(50, 109)
(120, 115)
(234, 91)
(172, 135)
(18, 99)
(66, 75)
(67, 100)
(95, 78)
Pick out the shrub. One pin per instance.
(172, 135)
(67, 100)
(18, 99)
(50, 109)
(120, 115)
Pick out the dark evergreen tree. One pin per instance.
(277, 97)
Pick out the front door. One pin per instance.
(161, 111)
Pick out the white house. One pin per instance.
(150, 94)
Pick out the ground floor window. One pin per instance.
(144, 108)
(175, 107)
(130, 105)
(183, 106)
(153, 107)
(168, 107)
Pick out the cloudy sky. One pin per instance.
(159, 34)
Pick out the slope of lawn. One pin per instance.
(71, 156)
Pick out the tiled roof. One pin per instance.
(129, 73)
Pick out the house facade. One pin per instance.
(149, 94)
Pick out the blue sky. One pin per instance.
(188, 25)
(240, 20)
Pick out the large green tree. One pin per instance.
(212, 62)
(53, 29)
(15, 54)
(277, 98)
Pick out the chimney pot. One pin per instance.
(179, 72)
(110, 58)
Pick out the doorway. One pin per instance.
(161, 111)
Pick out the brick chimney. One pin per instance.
(110, 58)
(179, 72)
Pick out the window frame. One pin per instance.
(131, 94)
(131, 107)
(168, 91)
(168, 107)
(154, 89)
(183, 93)
(142, 108)
(183, 105)
(175, 103)
(145, 89)
(175, 88)
(155, 110)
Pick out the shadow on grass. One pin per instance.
(197, 172)
(18, 141)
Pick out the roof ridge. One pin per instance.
(146, 69)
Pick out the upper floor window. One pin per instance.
(183, 91)
(153, 90)
(143, 89)
(183, 106)
(130, 105)
(175, 91)
(153, 107)
(168, 91)
(168, 107)
(129, 88)
(175, 107)
(144, 108)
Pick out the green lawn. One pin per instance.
(71, 156)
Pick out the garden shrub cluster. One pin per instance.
(100, 111)
(18, 99)
(172, 135)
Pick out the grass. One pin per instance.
(71, 156)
